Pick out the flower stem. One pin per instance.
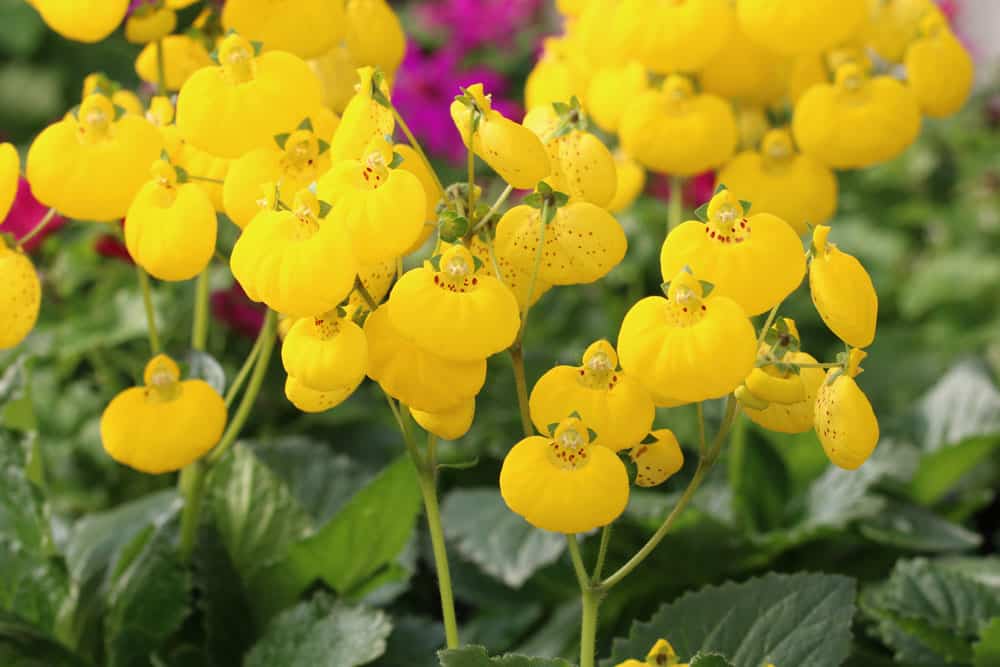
(471, 168)
(416, 145)
(363, 292)
(702, 443)
(268, 334)
(493, 210)
(37, 229)
(591, 601)
(244, 372)
(161, 70)
(147, 299)
(199, 330)
(191, 484)
(675, 203)
(517, 357)
(205, 179)
(602, 554)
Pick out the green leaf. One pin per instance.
(986, 652)
(910, 527)
(759, 505)
(23, 645)
(964, 404)
(17, 411)
(476, 656)
(413, 643)
(147, 601)
(710, 660)
(22, 30)
(257, 517)
(800, 619)
(322, 633)
(942, 470)
(203, 366)
(500, 542)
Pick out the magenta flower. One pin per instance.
(470, 24)
(25, 214)
(233, 308)
(697, 189)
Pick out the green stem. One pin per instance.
(767, 324)
(602, 554)
(471, 168)
(191, 483)
(675, 207)
(416, 145)
(520, 381)
(147, 299)
(702, 443)
(37, 229)
(161, 70)
(199, 330)
(578, 567)
(244, 372)
(591, 601)
(360, 288)
(268, 334)
(774, 362)
(493, 210)
(206, 179)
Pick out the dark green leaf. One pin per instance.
(941, 470)
(413, 642)
(710, 660)
(759, 505)
(322, 633)
(910, 527)
(986, 652)
(225, 607)
(476, 656)
(22, 645)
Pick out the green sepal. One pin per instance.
(706, 288)
(436, 262)
(560, 198)
(380, 97)
(576, 415)
(119, 112)
(665, 287)
(306, 124)
(721, 187)
(257, 47)
(75, 112)
(324, 209)
(702, 212)
(477, 118)
(459, 465)
(534, 200)
(182, 175)
(650, 439)
(214, 56)
(452, 226)
(543, 188)
(164, 155)
(687, 269)
(592, 434)
(282, 139)
(323, 146)
(341, 311)
(561, 108)
(747, 205)
(551, 428)
(397, 160)
(832, 377)
(477, 263)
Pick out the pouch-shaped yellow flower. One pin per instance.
(857, 121)
(752, 124)
(182, 56)
(796, 188)
(413, 163)
(687, 346)
(662, 653)
(676, 131)
(376, 278)
(91, 167)
(514, 276)
(791, 417)
(337, 72)
(556, 77)
(792, 27)
(452, 311)
(374, 35)
(326, 352)
(746, 71)
(171, 228)
(164, 425)
(82, 20)
(582, 243)
(845, 422)
(679, 36)
(10, 171)
(612, 89)
(241, 104)
(314, 401)
(631, 182)
(756, 261)
(382, 207)
(307, 28)
(512, 150)
(570, 7)
(842, 291)
(658, 458)
(20, 296)
(582, 166)
(609, 400)
(450, 424)
(420, 379)
(893, 25)
(149, 23)
(298, 262)
(292, 162)
(364, 119)
(939, 69)
(563, 482)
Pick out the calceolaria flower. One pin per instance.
(149, 23)
(657, 458)
(164, 425)
(611, 90)
(326, 352)
(10, 173)
(844, 419)
(563, 482)
(20, 296)
(842, 291)
(364, 119)
(311, 400)
(791, 27)
(183, 55)
(307, 28)
(449, 424)
(611, 402)
(82, 20)
(939, 69)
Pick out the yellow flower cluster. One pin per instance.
(661, 655)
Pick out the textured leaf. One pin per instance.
(413, 642)
(476, 656)
(800, 619)
(500, 542)
(322, 633)
(986, 652)
(22, 645)
(230, 628)
(710, 660)
(758, 506)
(147, 602)
(964, 404)
(941, 470)
(913, 528)
(920, 589)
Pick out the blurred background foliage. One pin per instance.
(927, 226)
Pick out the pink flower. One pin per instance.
(25, 214)
(470, 24)
(110, 246)
(234, 308)
(697, 189)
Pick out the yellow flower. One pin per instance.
(90, 167)
(307, 28)
(842, 291)
(377, 278)
(791, 27)
(512, 150)
(570, 7)
(582, 243)
(746, 71)
(182, 56)
(364, 119)
(857, 121)
(631, 182)
(687, 347)
(662, 653)
(82, 20)
(611, 402)
(582, 166)
(420, 379)
(679, 36)
(893, 25)
(450, 424)
(454, 312)
(413, 163)
(794, 417)
(170, 229)
(374, 35)
(563, 482)
(165, 424)
(10, 172)
(337, 71)
(292, 162)
(676, 131)
(658, 459)
(557, 76)
(241, 104)
(845, 422)
(795, 187)
(755, 261)
(149, 24)
(20, 296)
(311, 400)
(939, 69)
(298, 262)
(612, 89)
(382, 207)
(326, 352)
(514, 276)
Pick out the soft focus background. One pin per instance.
(927, 226)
